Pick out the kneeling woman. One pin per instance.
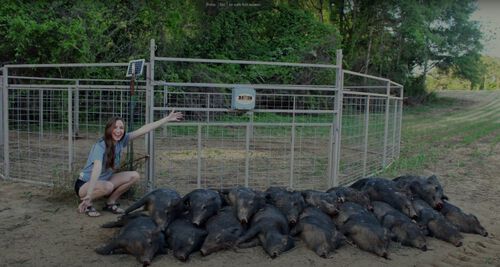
(95, 181)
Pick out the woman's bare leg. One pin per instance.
(122, 181)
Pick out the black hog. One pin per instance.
(347, 194)
(162, 204)
(384, 190)
(184, 238)
(246, 202)
(272, 231)
(428, 189)
(324, 201)
(223, 229)
(466, 223)
(404, 230)
(436, 224)
(363, 229)
(349, 210)
(139, 237)
(202, 204)
(290, 203)
(318, 232)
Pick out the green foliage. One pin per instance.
(401, 40)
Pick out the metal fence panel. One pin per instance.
(287, 140)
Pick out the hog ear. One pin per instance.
(186, 200)
(432, 179)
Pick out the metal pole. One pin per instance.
(365, 146)
(40, 111)
(130, 152)
(150, 115)
(292, 148)
(77, 109)
(394, 126)
(400, 114)
(5, 106)
(248, 136)
(386, 124)
(198, 177)
(337, 125)
(70, 130)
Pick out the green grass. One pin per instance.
(434, 130)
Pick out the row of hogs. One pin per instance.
(368, 214)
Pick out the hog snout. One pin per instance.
(203, 252)
(458, 244)
(146, 263)
(485, 234)
(424, 248)
(385, 255)
(439, 206)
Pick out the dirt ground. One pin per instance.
(39, 227)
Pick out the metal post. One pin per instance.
(247, 148)
(337, 125)
(5, 112)
(198, 179)
(77, 109)
(400, 114)
(70, 130)
(40, 112)
(386, 124)
(367, 124)
(292, 148)
(150, 172)
(394, 126)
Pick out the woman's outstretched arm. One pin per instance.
(173, 116)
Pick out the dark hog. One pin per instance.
(269, 228)
(202, 204)
(403, 229)
(223, 229)
(324, 201)
(162, 204)
(184, 238)
(436, 224)
(125, 219)
(367, 233)
(139, 237)
(289, 203)
(318, 232)
(384, 190)
(466, 223)
(428, 189)
(347, 194)
(350, 210)
(246, 202)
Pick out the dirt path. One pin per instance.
(39, 229)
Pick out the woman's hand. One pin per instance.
(174, 116)
(86, 202)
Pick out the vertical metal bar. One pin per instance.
(367, 125)
(337, 127)
(150, 172)
(70, 130)
(40, 112)
(292, 145)
(400, 114)
(208, 115)
(5, 106)
(165, 104)
(394, 126)
(198, 180)
(77, 109)
(247, 148)
(386, 124)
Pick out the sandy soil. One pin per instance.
(40, 226)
